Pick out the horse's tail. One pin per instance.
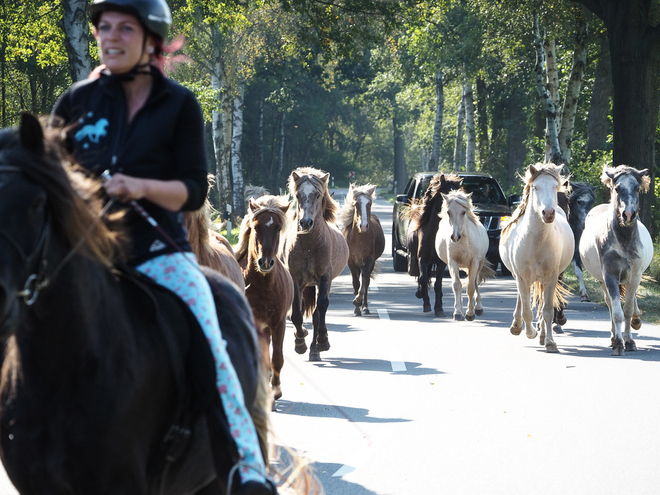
(560, 297)
(622, 291)
(298, 478)
(308, 301)
(486, 272)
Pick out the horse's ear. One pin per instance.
(31, 134)
(607, 177)
(284, 207)
(445, 197)
(326, 178)
(644, 179)
(252, 205)
(295, 175)
(533, 170)
(371, 190)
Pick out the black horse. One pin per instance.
(107, 381)
(423, 260)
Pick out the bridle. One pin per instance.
(39, 280)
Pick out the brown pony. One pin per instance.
(211, 248)
(422, 229)
(365, 238)
(269, 286)
(317, 253)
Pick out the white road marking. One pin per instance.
(373, 287)
(399, 366)
(383, 314)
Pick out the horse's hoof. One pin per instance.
(532, 335)
(479, 312)
(314, 357)
(469, 317)
(557, 329)
(419, 294)
(459, 317)
(584, 299)
(301, 346)
(617, 347)
(277, 393)
(323, 345)
(366, 311)
(357, 312)
(439, 313)
(631, 346)
(427, 308)
(515, 330)
(561, 318)
(550, 346)
(542, 339)
(636, 323)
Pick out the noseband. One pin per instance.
(38, 280)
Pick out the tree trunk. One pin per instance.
(223, 178)
(400, 169)
(482, 125)
(280, 161)
(552, 135)
(76, 38)
(435, 162)
(632, 28)
(599, 111)
(516, 133)
(470, 133)
(460, 125)
(236, 162)
(569, 110)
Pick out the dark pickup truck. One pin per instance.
(490, 204)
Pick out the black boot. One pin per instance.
(258, 488)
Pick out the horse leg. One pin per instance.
(612, 286)
(628, 312)
(366, 280)
(357, 300)
(437, 288)
(471, 289)
(457, 287)
(320, 340)
(577, 266)
(297, 320)
(478, 308)
(517, 325)
(525, 309)
(547, 310)
(277, 359)
(636, 320)
(423, 286)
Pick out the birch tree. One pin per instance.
(75, 25)
(434, 163)
(470, 131)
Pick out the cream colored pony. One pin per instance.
(462, 243)
(536, 246)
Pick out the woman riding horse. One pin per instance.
(153, 145)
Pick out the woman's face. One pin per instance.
(120, 37)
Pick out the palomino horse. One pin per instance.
(580, 202)
(268, 284)
(423, 258)
(462, 243)
(538, 222)
(108, 384)
(317, 253)
(616, 248)
(211, 248)
(366, 241)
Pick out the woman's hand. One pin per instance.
(170, 194)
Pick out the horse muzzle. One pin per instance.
(548, 215)
(265, 264)
(628, 217)
(306, 224)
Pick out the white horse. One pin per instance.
(462, 243)
(536, 246)
(616, 248)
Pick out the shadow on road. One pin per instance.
(352, 414)
(376, 365)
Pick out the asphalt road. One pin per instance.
(406, 403)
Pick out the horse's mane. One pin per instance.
(420, 213)
(532, 173)
(75, 200)
(580, 188)
(611, 174)
(270, 204)
(252, 191)
(347, 212)
(315, 177)
(462, 198)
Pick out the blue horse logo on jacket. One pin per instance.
(93, 132)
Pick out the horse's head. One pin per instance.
(361, 199)
(457, 209)
(267, 223)
(310, 188)
(580, 201)
(625, 184)
(544, 181)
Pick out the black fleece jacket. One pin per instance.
(165, 141)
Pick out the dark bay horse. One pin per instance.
(580, 201)
(269, 286)
(317, 253)
(422, 229)
(107, 384)
(616, 248)
(211, 248)
(366, 241)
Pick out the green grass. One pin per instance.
(648, 294)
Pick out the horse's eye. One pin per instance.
(318, 195)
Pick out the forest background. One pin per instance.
(375, 90)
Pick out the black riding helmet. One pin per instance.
(154, 15)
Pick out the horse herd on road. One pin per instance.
(83, 332)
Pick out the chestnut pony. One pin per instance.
(268, 284)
